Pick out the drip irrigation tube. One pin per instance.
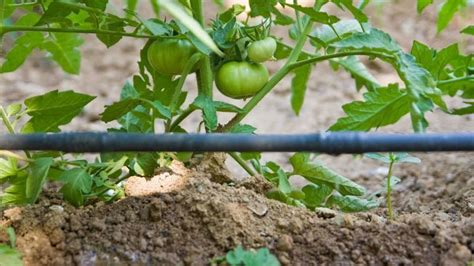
(332, 143)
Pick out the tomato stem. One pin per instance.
(9, 126)
(6, 29)
(242, 163)
(389, 191)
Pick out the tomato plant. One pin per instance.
(223, 53)
(241, 79)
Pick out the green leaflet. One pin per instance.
(351, 203)
(76, 183)
(37, 176)
(63, 48)
(358, 72)
(422, 4)
(373, 40)
(8, 168)
(119, 109)
(447, 11)
(299, 84)
(320, 174)
(53, 109)
(382, 107)
(261, 8)
(468, 30)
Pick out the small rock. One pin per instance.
(259, 209)
(13, 214)
(143, 245)
(75, 223)
(57, 236)
(285, 243)
(284, 259)
(155, 210)
(57, 208)
(468, 227)
(117, 236)
(98, 224)
(325, 213)
(424, 226)
(462, 252)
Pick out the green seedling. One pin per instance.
(392, 159)
(241, 257)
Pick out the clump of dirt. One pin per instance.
(205, 219)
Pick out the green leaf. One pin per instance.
(381, 157)
(465, 110)
(316, 195)
(8, 168)
(53, 109)
(231, 13)
(340, 30)
(145, 164)
(208, 110)
(422, 4)
(374, 40)
(319, 174)
(382, 107)
(22, 48)
(9, 256)
(16, 192)
(183, 17)
(417, 79)
(77, 182)
(403, 157)
(435, 61)
(227, 107)
(111, 23)
(161, 109)
(239, 256)
(37, 176)
(63, 48)
(468, 30)
(299, 84)
(283, 183)
(119, 109)
(240, 128)
(447, 11)
(358, 72)
(14, 109)
(261, 8)
(280, 18)
(316, 16)
(352, 203)
(356, 12)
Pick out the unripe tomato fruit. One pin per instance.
(263, 50)
(241, 79)
(170, 56)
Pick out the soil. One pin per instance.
(189, 215)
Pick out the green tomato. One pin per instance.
(170, 56)
(263, 50)
(241, 79)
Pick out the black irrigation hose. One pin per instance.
(332, 143)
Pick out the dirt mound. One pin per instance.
(206, 219)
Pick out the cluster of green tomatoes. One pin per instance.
(235, 79)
